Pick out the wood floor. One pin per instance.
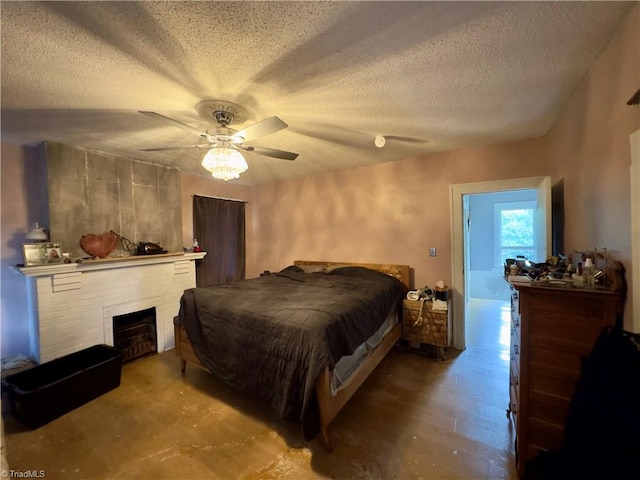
(414, 418)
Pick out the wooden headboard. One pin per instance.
(401, 272)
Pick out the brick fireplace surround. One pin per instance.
(71, 306)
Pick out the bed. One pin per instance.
(302, 339)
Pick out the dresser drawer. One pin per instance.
(515, 301)
(514, 366)
(512, 411)
(515, 326)
(549, 412)
(542, 356)
(551, 385)
(515, 351)
(514, 389)
(544, 436)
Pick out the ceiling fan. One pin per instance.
(224, 143)
(223, 158)
(225, 113)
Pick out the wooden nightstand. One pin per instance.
(432, 326)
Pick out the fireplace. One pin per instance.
(72, 305)
(135, 334)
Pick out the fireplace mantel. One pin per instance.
(71, 305)
(107, 263)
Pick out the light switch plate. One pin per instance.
(433, 251)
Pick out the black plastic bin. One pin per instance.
(43, 393)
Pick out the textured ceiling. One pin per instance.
(434, 76)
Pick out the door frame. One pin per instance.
(634, 140)
(458, 191)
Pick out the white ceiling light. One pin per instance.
(224, 163)
(380, 141)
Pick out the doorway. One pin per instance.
(634, 139)
(499, 225)
(461, 194)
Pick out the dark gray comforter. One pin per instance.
(272, 336)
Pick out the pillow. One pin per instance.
(312, 268)
(331, 268)
(292, 269)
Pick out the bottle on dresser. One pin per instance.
(588, 272)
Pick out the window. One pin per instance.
(515, 230)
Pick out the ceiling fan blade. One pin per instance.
(272, 152)
(173, 122)
(261, 129)
(160, 149)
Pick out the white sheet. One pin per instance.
(349, 363)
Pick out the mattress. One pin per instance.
(349, 363)
(271, 337)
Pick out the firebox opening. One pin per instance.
(135, 334)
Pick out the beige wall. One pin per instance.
(589, 148)
(20, 172)
(388, 213)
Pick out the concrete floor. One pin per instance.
(414, 418)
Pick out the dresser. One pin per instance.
(427, 326)
(552, 329)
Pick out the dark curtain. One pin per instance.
(218, 224)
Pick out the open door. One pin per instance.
(466, 229)
(543, 219)
(459, 236)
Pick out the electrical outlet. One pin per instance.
(433, 251)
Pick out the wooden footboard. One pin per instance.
(329, 405)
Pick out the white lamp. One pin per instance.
(224, 163)
(37, 234)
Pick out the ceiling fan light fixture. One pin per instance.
(224, 163)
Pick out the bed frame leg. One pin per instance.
(183, 366)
